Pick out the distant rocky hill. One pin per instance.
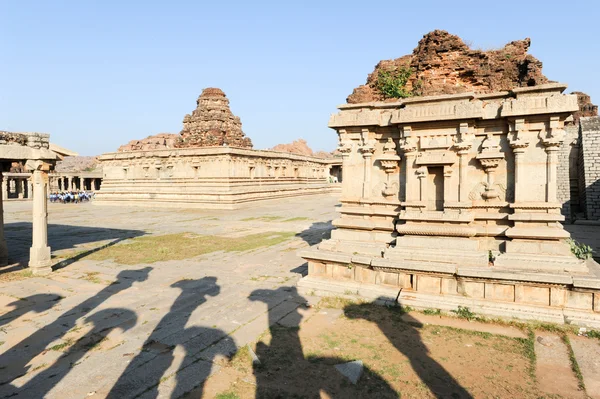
(443, 64)
(300, 147)
(156, 142)
(77, 164)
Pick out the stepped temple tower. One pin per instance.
(210, 164)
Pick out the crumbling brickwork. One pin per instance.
(443, 64)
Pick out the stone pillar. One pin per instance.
(422, 175)
(82, 184)
(367, 154)
(94, 184)
(21, 188)
(551, 173)
(29, 188)
(4, 188)
(69, 184)
(447, 183)
(39, 254)
(3, 247)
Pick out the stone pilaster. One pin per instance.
(367, 150)
(4, 188)
(519, 146)
(3, 247)
(39, 254)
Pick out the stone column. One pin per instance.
(422, 175)
(39, 254)
(4, 188)
(551, 174)
(29, 188)
(21, 188)
(95, 184)
(519, 150)
(82, 183)
(3, 247)
(447, 182)
(463, 186)
(69, 184)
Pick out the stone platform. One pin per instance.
(209, 177)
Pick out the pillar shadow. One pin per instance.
(146, 371)
(37, 303)
(14, 363)
(317, 232)
(405, 337)
(286, 372)
(60, 237)
(40, 385)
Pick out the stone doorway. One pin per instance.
(435, 200)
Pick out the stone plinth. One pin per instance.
(470, 217)
(210, 177)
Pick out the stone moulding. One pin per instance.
(559, 298)
(209, 177)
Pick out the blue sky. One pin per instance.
(96, 74)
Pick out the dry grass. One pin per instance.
(151, 249)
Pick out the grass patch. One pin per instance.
(432, 312)
(151, 249)
(227, 395)
(267, 218)
(59, 347)
(334, 302)
(297, 219)
(574, 364)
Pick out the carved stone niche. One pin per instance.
(490, 157)
(389, 163)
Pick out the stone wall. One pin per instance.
(209, 177)
(567, 173)
(590, 160)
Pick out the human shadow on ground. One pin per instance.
(146, 371)
(14, 363)
(285, 371)
(37, 303)
(40, 385)
(406, 338)
(317, 232)
(60, 237)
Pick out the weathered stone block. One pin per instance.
(386, 278)
(343, 272)
(429, 284)
(580, 300)
(405, 280)
(365, 275)
(500, 292)
(597, 302)
(558, 296)
(317, 268)
(533, 295)
(472, 289)
(449, 286)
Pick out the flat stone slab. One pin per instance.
(351, 370)
(587, 354)
(553, 367)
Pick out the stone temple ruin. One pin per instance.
(453, 202)
(210, 165)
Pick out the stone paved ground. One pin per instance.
(95, 328)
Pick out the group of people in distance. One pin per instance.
(72, 197)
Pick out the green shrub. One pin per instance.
(581, 251)
(392, 83)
